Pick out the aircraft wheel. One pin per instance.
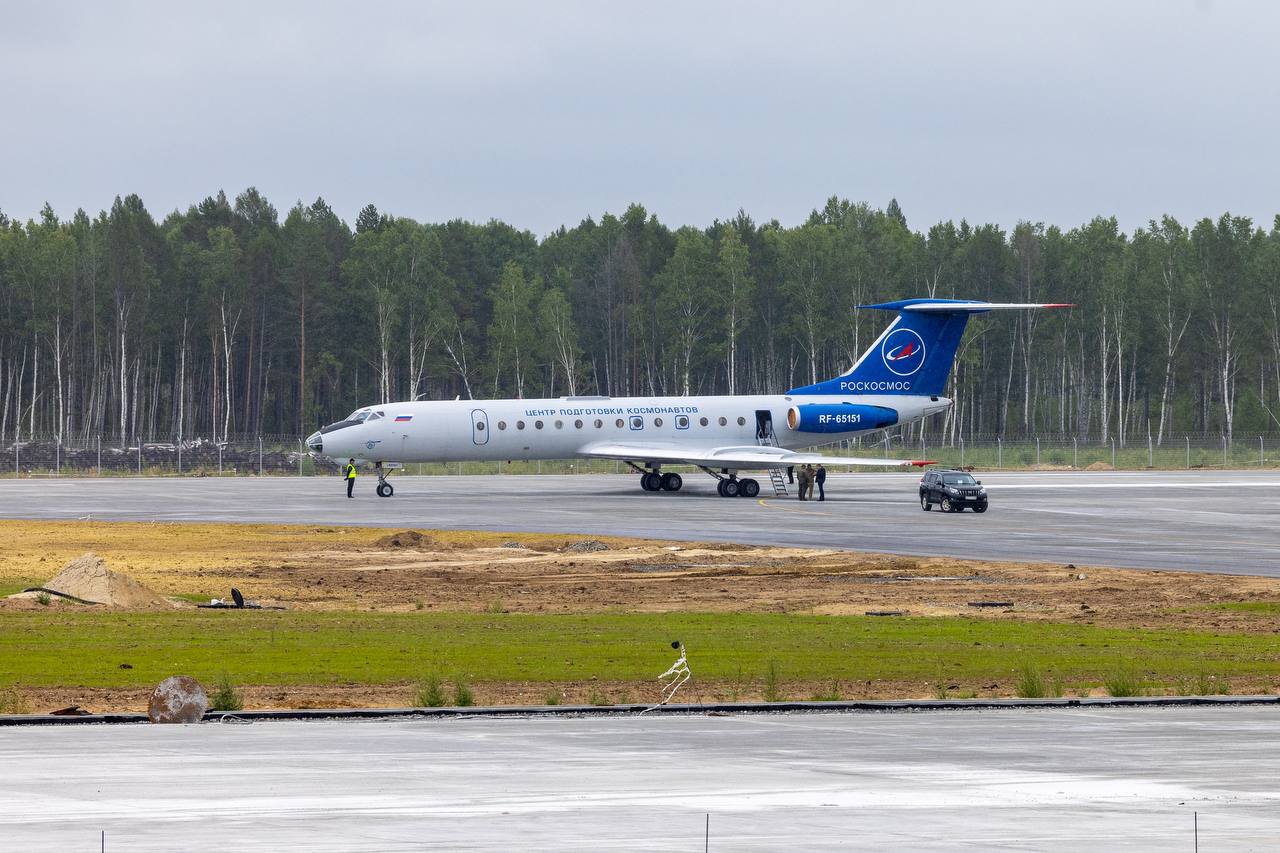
(748, 488)
(720, 488)
(672, 482)
(730, 488)
(651, 482)
(385, 490)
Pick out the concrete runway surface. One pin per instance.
(1192, 520)
(1061, 779)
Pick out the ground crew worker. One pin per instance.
(350, 472)
(803, 476)
(820, 477)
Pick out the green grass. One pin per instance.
(1261, 607)
(1124, 682)
(430, 692)
(57, 647)
(225, 697)
(15, 586)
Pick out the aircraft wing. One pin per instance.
(748, 456)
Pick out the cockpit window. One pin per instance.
(359, 415)
(377, 416)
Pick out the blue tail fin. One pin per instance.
(913, 356)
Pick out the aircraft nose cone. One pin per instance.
(315, 442)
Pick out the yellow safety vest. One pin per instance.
(351, 472)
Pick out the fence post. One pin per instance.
(1113, 452)
(999, 452)
(1075, 451)
(259, 456)
(961, 452)
(1262, 454)
(219, 459)
(17, 469)
(139, 456)
(57, 458)
(1037, 450)
(1151, 459)
(1188, 438)
(302, 448)
(99, 468)
(1224, 451)
(179, 456)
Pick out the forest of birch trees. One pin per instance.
(229, 319)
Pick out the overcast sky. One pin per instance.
(543, 113)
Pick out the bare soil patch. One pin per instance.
(359, 569)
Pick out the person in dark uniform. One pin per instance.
(820, 477)
(791, 473)
(805, 483)
(350, 473)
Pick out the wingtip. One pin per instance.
(920, 463)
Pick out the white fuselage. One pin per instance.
(567, 427)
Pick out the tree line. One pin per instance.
(225, 320)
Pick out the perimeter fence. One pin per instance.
(278, 455)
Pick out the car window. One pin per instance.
(958, 480)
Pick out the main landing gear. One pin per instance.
(656, 481)
(385, 489)
(729, 486)
(653, 480)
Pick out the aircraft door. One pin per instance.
(479, 427)
(764, 424)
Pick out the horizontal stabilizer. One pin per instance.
(960, 306)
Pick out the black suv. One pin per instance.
(952, 490)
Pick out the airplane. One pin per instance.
(898, 380)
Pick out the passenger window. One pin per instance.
(637, 422)
(559, 424)
(657, 422)
(537, 424)
(479, 426)
(742, 421)
(502, 424)
(599, 423)
(682, 421)
(577, 424)
(519, 424)
(618, 423)
(702, 421)
(723, 421)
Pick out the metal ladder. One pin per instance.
(775, 474)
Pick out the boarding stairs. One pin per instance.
(776, 476)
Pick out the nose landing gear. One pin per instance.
(385, 489)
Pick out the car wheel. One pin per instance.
(924, 502)
(947, 506)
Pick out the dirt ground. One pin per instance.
(362, 569)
